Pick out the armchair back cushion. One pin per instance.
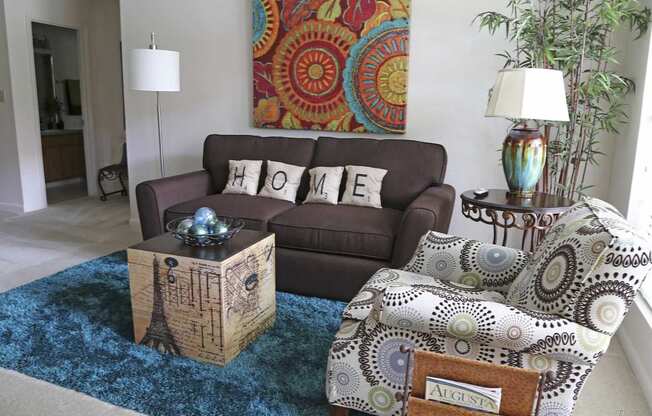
(469, 262)
(411, 166)
(219, 149)
(588, 269)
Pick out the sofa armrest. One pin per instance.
(470, 262)
(156, 196)
(454, 311)
(432, 210)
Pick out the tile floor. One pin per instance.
(39, 244)
(66, 192)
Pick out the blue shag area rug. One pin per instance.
(74, 329)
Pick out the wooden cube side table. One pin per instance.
(206, 303)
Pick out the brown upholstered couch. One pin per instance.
(322, 250)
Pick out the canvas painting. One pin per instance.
(334, 65)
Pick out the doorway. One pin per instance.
(61, 116)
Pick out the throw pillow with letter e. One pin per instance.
(244, 176)
(282, 181)
(324, 185)
(363, 186)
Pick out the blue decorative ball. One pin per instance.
(205, 216)
(184, 226)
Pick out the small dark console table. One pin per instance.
(532, 216)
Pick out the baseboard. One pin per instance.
(13, 208)
(636, 337)
(64, 182)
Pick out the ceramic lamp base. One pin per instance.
(524, 157)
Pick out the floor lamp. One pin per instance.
(155, 70)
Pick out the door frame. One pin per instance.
(90, 145)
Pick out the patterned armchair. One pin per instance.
(555, 310)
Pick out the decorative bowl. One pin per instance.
(232, 226)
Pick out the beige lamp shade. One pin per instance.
(529, 94)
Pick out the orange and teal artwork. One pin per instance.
(333, 65)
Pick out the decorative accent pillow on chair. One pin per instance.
(325, 185)
(468, 262)
(363, 186)
(588, 268)
(244, 176)
(282, 181)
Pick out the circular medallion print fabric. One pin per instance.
(331, 65)
(375, 78)
(307, 70)
(265, 26)
(555, 276)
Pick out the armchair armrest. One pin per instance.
(453, 311)
(432, 210)
(470, 262)
(154, 197)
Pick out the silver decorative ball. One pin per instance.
(220, 228)
(184, 226)
(212, 225)
(200, 232)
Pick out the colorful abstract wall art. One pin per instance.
(334, 65)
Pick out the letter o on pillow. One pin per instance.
(282, 181)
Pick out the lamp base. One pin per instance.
(524, 157)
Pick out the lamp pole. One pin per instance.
(152, 46)
(160, 140)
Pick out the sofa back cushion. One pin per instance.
(412, 166)
(219, 149)
(588, 268)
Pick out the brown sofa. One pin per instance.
(322, 250)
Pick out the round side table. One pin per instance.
(533, 216)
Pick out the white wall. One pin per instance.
(98, 24)
(10, 189)
(106, 79)
(452, 67)
(632, 157)
(18, 15)
(64, 47)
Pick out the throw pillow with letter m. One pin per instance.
(363, 186)
(325, 185)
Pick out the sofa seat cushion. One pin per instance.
(347, 230)
(256, 211)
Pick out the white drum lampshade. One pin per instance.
(529, 94)
(154, 70)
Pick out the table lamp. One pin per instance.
(522, 95)
(155, 70)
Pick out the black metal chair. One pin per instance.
(113, 173)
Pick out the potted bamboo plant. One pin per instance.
(577, 38)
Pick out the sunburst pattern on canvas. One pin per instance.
(335, 65)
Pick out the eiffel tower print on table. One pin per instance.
(204, 303)
(158, 335)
